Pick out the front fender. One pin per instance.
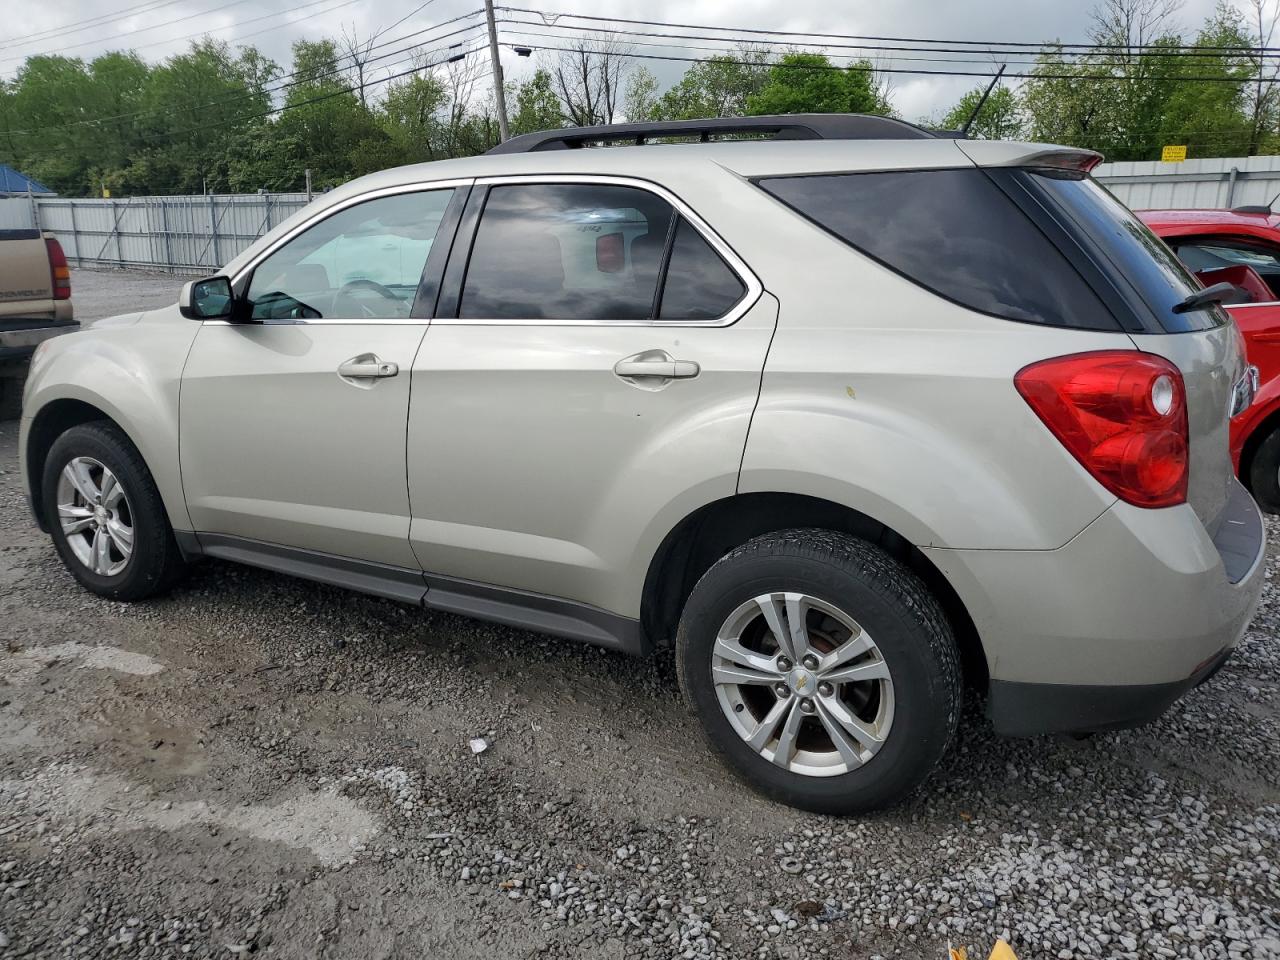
(130, 373)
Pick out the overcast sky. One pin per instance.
(160, 28)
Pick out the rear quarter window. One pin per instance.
(954, 232)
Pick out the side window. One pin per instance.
(1212, 254)
(699, 284)
(581, 251)
(362, 263)
(953, 232)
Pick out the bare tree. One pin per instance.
(588, 79)
(359, 52)
(1126, 26)
(1263, 98)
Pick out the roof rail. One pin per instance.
(796, 126)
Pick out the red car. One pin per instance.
(1241, 247)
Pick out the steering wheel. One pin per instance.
(347, 290)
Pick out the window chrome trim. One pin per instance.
(754, 288)
(1246, 306)
(417, 187)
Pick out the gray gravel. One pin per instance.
(104, 293)
(262, 766)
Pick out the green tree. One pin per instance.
(808, 83)
(324, 121)
(640, 96)
(536, 105)
(719, 86)
(1000, 118)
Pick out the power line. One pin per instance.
(730, 50)
(310, 101)
(268, 89)
(550, 18)
(1113, 78)
(75, 25)
(128, 33)
(1004, 55)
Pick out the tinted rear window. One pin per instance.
(1132, 251)
(954, 232)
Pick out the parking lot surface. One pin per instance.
(104, 293)
(256, 765)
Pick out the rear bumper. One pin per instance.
(1110, 629)
(19, 338)
(1029, 709)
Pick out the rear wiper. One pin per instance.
(1218, 293)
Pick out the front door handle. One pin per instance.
(367, 366)
(656, 364)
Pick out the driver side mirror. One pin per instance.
(208, 299)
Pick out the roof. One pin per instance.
(11, 181)
(1184, 223)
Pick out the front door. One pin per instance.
(293, 423)
(586, 384)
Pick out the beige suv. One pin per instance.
(847, 412)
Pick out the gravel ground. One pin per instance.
(104, 293)
(259, 765)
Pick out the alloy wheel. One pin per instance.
(803, 684)
(94, 512)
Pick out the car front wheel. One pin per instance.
(105, 514)
(821, 669)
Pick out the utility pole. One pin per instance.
(499, 93)
(308, 173)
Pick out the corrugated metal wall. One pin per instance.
(16, 213)
(1217, 182)
(184, 234)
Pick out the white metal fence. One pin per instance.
(200, 233)
(1220, 182)
(184, 234)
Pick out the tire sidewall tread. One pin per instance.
(156, 562)
(902, 616)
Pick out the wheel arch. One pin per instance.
(716, 528)
(50, 422)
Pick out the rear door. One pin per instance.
(587, 382)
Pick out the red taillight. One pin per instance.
(609, 255)
(1122, 414)
(58, 269)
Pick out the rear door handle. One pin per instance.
(656, 364)
(367, 366)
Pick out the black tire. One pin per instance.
(155, 562)
(1264, 473)
(891, 603)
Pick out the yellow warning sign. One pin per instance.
(1174, 154)
(1002, 950)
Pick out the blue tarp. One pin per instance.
(11, 181)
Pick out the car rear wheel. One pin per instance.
(105, 514)
(821, 669)
(1264, 473)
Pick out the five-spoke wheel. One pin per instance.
(803, 683)
(94, 513)
(109, 524)
(822, 669)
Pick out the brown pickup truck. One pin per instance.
(35, 304)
